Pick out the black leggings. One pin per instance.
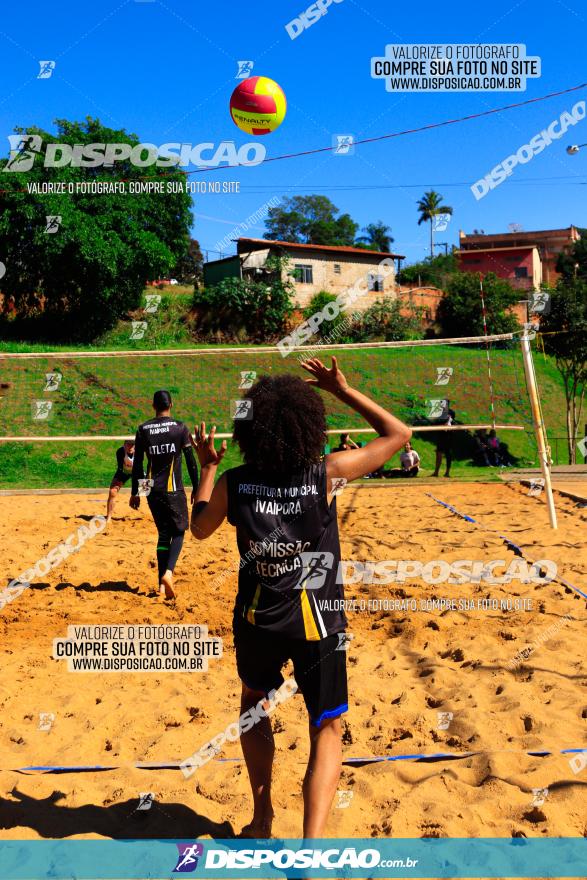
(169, 544)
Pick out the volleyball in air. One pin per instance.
(258, 105)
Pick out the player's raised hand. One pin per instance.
(332, 379)
(204, 446)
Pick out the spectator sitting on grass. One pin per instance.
(410, 461)
(494, 449)
(345, 443)
(482, 447)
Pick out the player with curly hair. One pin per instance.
(289, 602)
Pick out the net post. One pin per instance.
(538, 423)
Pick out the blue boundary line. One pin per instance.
(517, 550)
(368, 759)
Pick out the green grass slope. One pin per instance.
(111, 396)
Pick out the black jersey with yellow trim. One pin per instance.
(287, 535)
(162, 440)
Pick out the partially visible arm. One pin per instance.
(137, 466)
(393, 434)
(211, 504)
(191, 465)
(211, 501)
(120, 458)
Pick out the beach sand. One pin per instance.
(404, 668)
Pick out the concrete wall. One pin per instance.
(503, 264)
(352, 270)
(217, 270)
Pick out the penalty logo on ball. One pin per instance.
(258, 105)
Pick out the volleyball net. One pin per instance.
(93, 395)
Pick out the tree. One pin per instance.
(384, 320)
(310, 220)
(574, 264)
(460, 312)
(565, 337)
(78, 281)
(329, 328)
(246, 310)
(189, 269)
(430, 206)
(431, 272)
(376, 237)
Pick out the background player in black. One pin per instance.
(282, 446)
(443, 441)
(162, 440)
(124, 463)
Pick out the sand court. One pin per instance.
(480, 681)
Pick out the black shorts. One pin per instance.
(319, 667)
(169, 510)
(442, 442)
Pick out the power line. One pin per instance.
(382, 137)
(259, 189)
(395, 134)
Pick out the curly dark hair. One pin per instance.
(288, 429)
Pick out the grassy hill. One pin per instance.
(111, 395)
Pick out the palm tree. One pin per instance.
(376, 237)
(430, 206)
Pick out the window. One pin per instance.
(473, 262)
(303, 274)
(376, 283)
(337, 268)
(520, 272)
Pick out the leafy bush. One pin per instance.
(254, 311)
(79, 282)
(433, 272)
(316, 304)
(383, 321)
(460, 312)
(167, 326)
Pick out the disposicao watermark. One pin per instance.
(244, 69)
(316, 564)
(247, 378)
(339, 330)
(54, 557)
(251, 220)
(343, 144)
(53, 381)
(443, 375)
(46, 69)
(306, 19)
(234, 731)
(25, 148)
(331, 310)
(137, 648)
(455, 67)
(526, 152)
(578, 762)
(527, 652)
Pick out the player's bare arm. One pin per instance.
(393, 433)
(211, 501)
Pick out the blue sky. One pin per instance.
(166, 70)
